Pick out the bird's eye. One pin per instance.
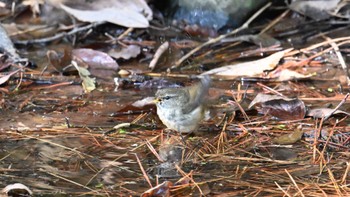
(166, 97)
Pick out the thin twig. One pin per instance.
(339, 55)
(58, 36)
(279, 187)
(274, 22)
(162, 48)
(55, 144)
(143, 170)
(119, 157)
(70, 181)
(337, 107)
(335, 182)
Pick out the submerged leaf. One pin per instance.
(280, 107)
(285, 109)
(95, 59)
(289, 138)
(125, 52)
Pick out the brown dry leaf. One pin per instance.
(249, 69)
(285, 109)
(127, 13)
(57, 61)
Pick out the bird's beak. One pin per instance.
(156, 100)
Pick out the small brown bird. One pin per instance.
(182, 109)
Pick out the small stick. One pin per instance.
(279, 187)
(58, 36)
(162, 48)
(295, 184)
(70, 181)
(274, 22)
(339, 55)
(337, 107)
(143, 170)
(126, 32)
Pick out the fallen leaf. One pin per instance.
(261, 98)
(316, 9)
(250, 69)
(5, 78)
(285, 109)
(127, 13)
(88, 82)
(324, 112)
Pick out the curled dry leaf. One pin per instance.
(127, 13)
(58, 61)
(17, 189)
(324, 112)
(253, 68)
(261, 98)
(162, 189)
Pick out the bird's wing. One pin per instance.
(197, 94)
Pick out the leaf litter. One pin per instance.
(74, 132)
